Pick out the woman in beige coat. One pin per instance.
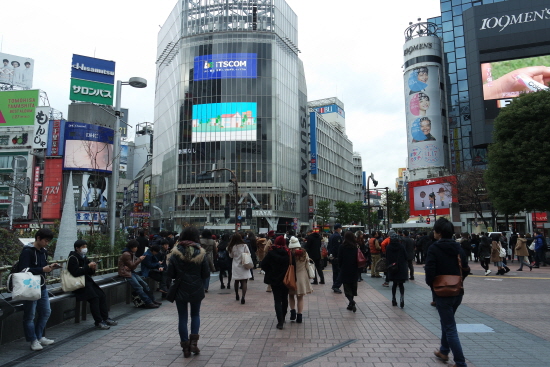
(495, 254)
(522, 252)
(303, 285)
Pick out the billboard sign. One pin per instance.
(55, 138)
(224, 122)
(330, 109)
(16, 71)
(225, 66)
(88, 147)
(87, 217)
(313, 142)
(41, 127)
(51, 189)
(92, 69)
(87, 91)
(432, 196)
(424, 122)
(17, 108)
(94, 191)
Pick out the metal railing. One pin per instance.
(105, 264)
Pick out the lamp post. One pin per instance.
(432, 197)
(234, 180)
(375, 183)
(136, 83)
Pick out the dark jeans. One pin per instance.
(418, 256)
(183, 317)
(98, 308)
(141, 288)
(35, 330)
(336, 283)
(319, 270)
(541, 257)
(229, 274)
(447, 306)
(411, 268)
(484, 262)
(280, 297)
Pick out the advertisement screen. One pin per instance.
(507, 79)
(432, 196)
(17, 108)
(225, 66)
(94, 191)
(88, 147)
(224, 122)
(16, 71)
(423, 110)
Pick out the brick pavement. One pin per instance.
(377, 335)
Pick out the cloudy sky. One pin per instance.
(351, 50)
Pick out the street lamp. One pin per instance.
(234, 180)
(375, 183)
(136, 83)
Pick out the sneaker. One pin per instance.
(102, 326)
(111, 322)
(35, 345)
(385, 284)
(336, 290)
(45, 341)
(487, 272)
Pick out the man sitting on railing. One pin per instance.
(79, 265)
(127, 263)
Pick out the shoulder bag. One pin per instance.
(246, 261)
(449, 285)
(25, 286)
(69, 282)
(502, 251)
(290, 277)
(361, 261)
(310, 267)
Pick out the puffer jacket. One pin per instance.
(188, 263)
(127, 263)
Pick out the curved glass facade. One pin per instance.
(230, 94)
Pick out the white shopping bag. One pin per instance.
(25, 286)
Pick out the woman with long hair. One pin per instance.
(275, 266)
(397, 254)
(495, 254)
(237, 247)
(224, 261)
(188, 265)
(301, 260)
(347, 261)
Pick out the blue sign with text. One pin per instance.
(92, 69)
(225, 66)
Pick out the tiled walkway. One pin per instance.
(512, 308)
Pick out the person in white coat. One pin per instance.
(236, 249)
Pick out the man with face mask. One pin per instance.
(78, 265)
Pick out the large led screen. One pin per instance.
(88, 147)
(432, 196)
(507, 79)
(423, 111)
(225, 66)
(224, 122)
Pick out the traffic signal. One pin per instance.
(428, 220)
(226, 212)
(248, 213)
(380, 213)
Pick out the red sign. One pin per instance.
(55, 136)
(20, 226)
(37, 184)
(432, 196)
(539, 217)
(52, 188)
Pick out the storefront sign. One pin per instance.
(504, 21)
(41, 124)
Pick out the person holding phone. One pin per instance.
(34, 257)
(78, 264)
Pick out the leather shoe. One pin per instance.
(157, 303)
(432, 304)
(151, 305)
(336, 290)
(441, 356)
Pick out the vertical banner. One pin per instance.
(51, 193)
(41, 127)
(146, 193)
(55, 138)
(313, 142)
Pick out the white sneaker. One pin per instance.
(35, 345)
(45, 341)
(487, 272)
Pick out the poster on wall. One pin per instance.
(432, 196)
(423, 111)
(16, 71)
(94, 191)
(17, 108)
(224, 122)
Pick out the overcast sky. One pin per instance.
(351, 50)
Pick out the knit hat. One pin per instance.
(294, 243)
(280, 241)
(392, 234)
(270, 233)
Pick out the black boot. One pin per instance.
(393, 301)
(292, 315)
(299, 318)
(402, 301)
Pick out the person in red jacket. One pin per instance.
(375, 250)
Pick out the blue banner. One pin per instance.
(92, 69)
(330, 109)
(88, 132)
(225, 66)
(313, 142)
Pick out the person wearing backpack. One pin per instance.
(34, 258)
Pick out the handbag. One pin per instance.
(502, 252)
(532, 246)
(69, 282)
(449, 285)
(25, 286)
(171, 294)
(361, 261)
(246, 261)
(290, 277)
(381, 265)
(310, 267)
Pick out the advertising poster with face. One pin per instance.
(432, 196)
(94, 191)
(423, 111)
(16, 70)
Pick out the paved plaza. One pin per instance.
(502, 322)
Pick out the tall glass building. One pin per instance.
(231, 103)
(451, 29)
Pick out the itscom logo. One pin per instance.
(208, 64)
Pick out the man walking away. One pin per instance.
(313, 248)
(409, 247)
(333, 247)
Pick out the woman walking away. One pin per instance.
(495, 254)
(303, 286)
(236, 249)
(189, 267)
(398, 273)
(209, 245)
(275, 266)
(347, 261)
(224, 261)
(522, 252)
(484, 253)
